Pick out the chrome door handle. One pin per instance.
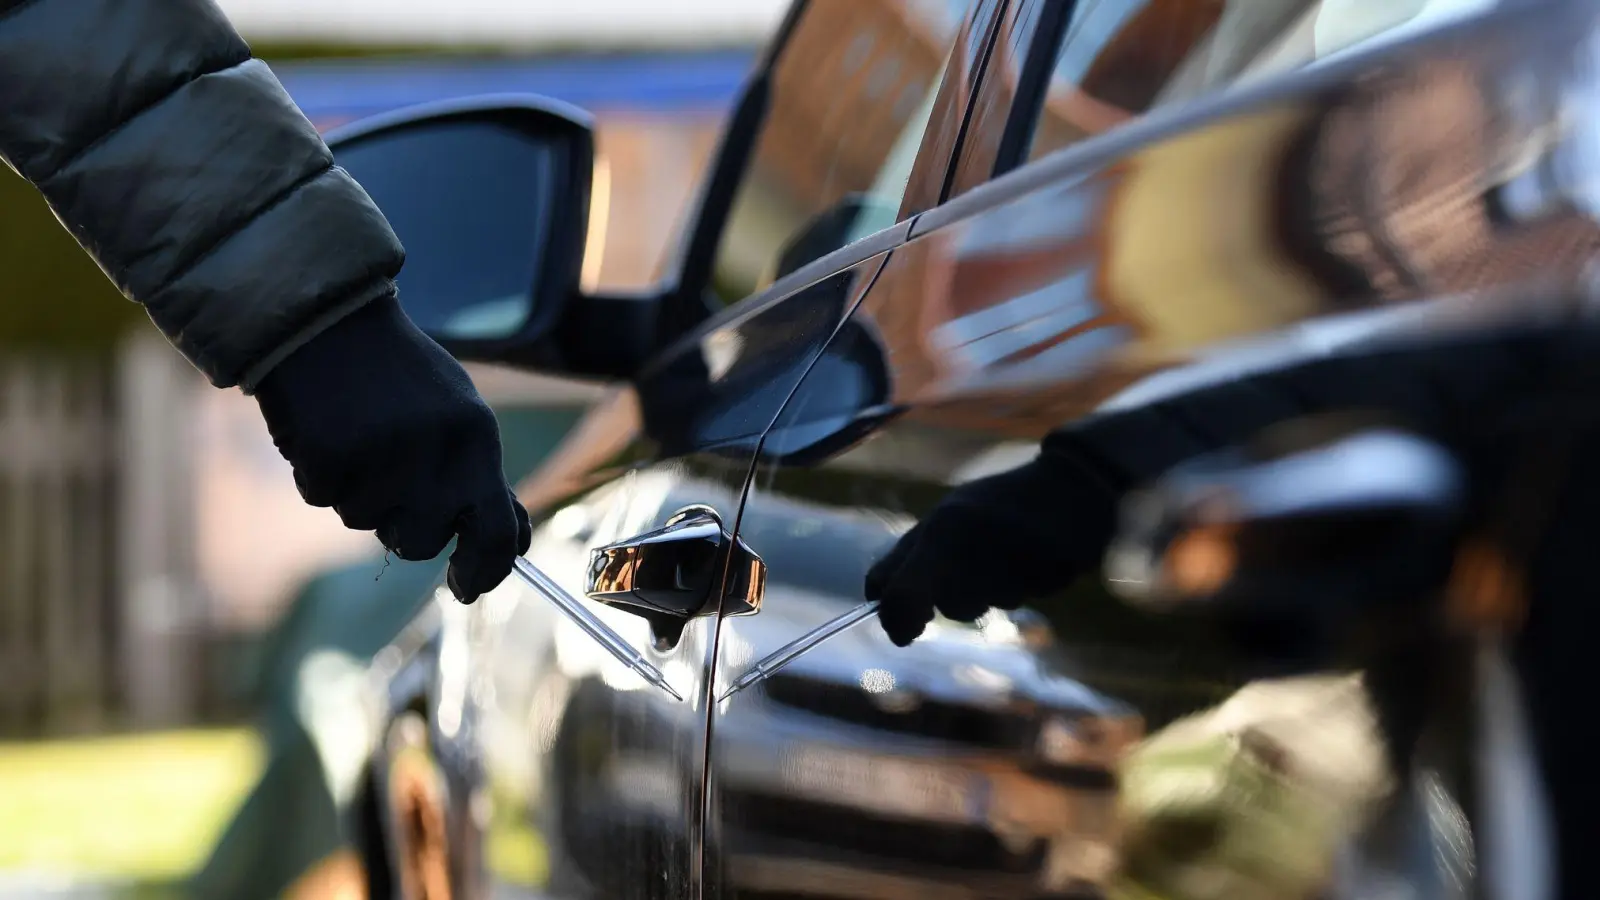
(673, 570)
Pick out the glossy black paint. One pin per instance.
(1208, 229)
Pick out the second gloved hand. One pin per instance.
(385, 427)
(995, 543)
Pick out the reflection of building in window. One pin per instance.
(1034, 309)
(840, 105)
(1114, 61)
(850, 88)
(1397, 207)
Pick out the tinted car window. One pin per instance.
(1121, 58)
(852, 94)
(815, 550)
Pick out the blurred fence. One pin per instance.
(57, 508)
(93, 570)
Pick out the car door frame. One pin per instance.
(686, 319)
(685, 316)
(688, 272)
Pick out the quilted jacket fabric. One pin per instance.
(181, 165)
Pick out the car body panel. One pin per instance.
(1184, 241)
(590, 766)
(1127, 253)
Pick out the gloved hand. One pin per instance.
(385, 427)
(1001, 541)
(995, 543)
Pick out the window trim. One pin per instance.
(735, 155)
(1033, 83)
(968, 171)
(952, 161)
(985, 14)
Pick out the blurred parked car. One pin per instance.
(935, 231)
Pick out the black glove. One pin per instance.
(995, 543)
(385, 427)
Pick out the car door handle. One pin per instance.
(673, 570)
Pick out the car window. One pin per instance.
(817, 551)
(1121, 58)
(852, 93)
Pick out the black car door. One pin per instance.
(1165, 201)
(597, 756)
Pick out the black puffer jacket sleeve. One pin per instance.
(185, 170)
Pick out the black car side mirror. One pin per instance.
(491, 198)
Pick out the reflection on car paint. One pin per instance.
(1035, 751)
(618, 646)
(768, 665)
(1209, 258)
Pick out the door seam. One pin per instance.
(710, 692)
(953, 163)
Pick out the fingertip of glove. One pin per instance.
(524, 526)
(469, 585)
(902, 626)
(903, 638)
(453, 582)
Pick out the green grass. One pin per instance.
(514, 851)
(144, 808)
(516, 854)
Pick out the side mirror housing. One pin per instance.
(491, 198)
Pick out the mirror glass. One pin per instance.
(470, 199)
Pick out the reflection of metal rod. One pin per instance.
(573, 608)
(1513, 797)
(769, 665)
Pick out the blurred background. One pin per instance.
(155, 560)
